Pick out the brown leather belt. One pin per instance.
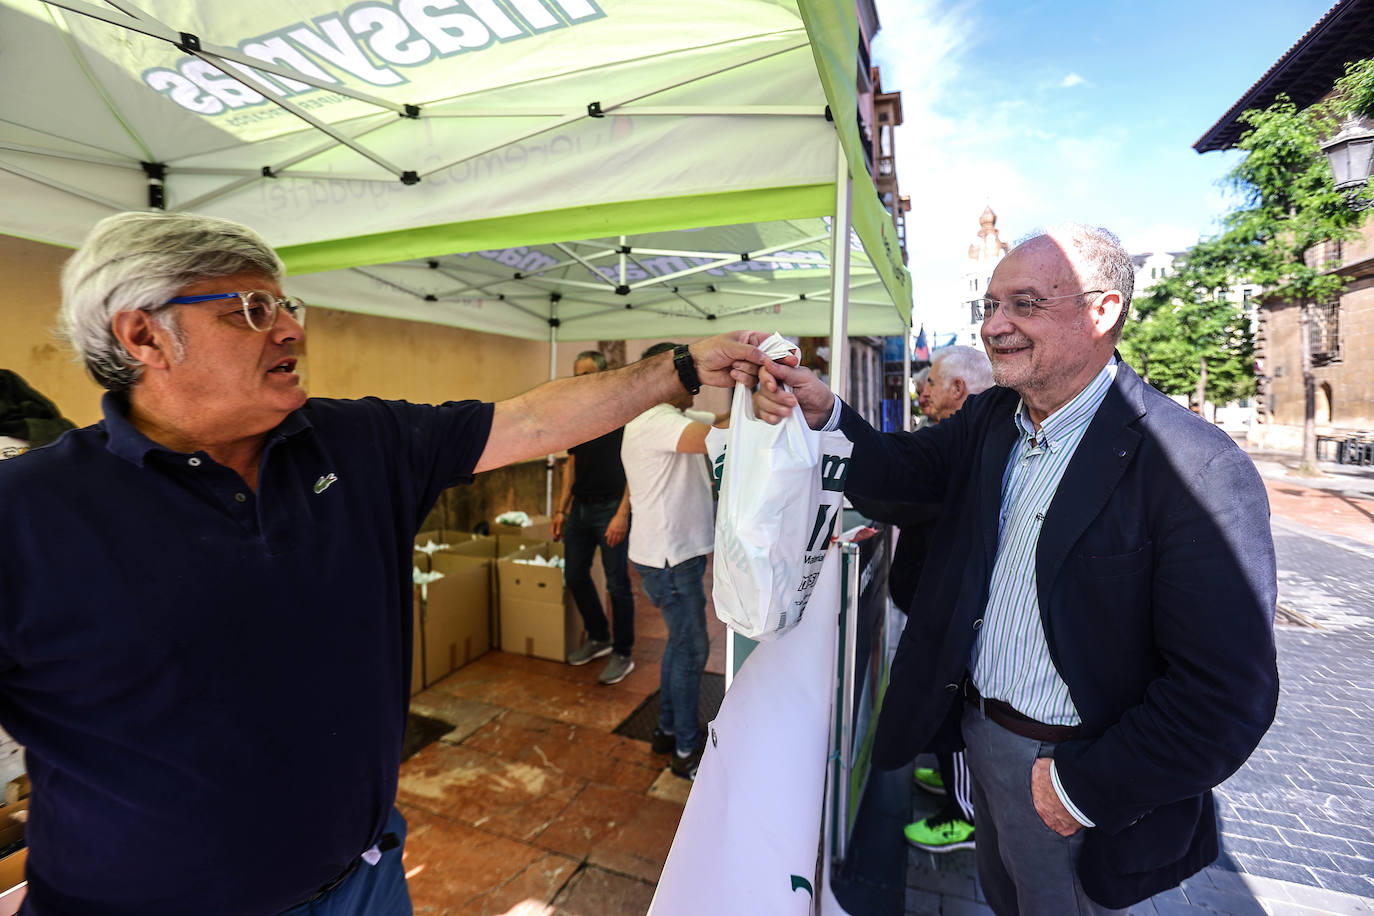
(1005, 715)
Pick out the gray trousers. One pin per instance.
(1026, 869)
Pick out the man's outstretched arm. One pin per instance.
(569, 411)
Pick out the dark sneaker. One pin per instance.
(663, 742)
(592, 648)
(930, 780)
(686, 767)
(616, 669)
(944, 831)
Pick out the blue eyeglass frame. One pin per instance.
(293, 305)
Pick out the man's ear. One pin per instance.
(959, 388)
(1106, 310)
(142, 337)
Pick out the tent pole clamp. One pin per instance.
(594, 110)
(157, 190)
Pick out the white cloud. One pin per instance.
(1073, 79)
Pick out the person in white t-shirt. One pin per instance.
(673, 531)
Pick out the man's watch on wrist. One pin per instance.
(686, 369)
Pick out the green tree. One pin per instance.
(1187, 338)
(1355, 91)
(1288, 210)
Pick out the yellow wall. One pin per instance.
(28, 314)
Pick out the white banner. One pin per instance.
(748, 840)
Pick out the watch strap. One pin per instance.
(686, 369)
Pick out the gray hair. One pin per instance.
(1101, 259)
(595, 356)
(138, 261)
(919, 378)
(967, 363)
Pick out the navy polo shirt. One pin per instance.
(212, 684)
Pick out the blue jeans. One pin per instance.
(372, 890)
(679, 594)
(584, 531)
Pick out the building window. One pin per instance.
(976, 311)
(1325, 333)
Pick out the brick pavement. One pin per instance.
(1298, 819)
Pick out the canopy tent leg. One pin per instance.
(840, 228)
(906, 379)
(553, 374)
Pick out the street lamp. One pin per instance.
(1349, 153)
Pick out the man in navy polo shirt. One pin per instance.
(205, 633)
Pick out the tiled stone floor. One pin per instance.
(530, 805)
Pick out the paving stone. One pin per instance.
(1349, 884)
(921, 903)
(1356, 832)
(1213, 898)
(1308, 840)
(1249, 830)
(1325, 901)
(1241, 883)
(1273, 818)
(1351, 865)
(1286, 908)
(1175, 908)
(1284, 871)
(948, 883)
(1173, 895)
(954, 906)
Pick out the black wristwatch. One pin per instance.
(686, 369)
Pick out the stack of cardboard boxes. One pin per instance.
(490, 596)
(13, 815)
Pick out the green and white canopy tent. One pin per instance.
(570, 169)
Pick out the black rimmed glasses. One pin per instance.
(260, 308)
(1026, 306)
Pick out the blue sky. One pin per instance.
(1069, 110)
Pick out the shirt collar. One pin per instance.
(1073, 417)
(131, 445)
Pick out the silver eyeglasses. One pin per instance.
(1025, 306)
(260, 308)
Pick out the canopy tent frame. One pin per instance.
(735, 79)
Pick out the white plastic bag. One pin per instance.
(781, 491)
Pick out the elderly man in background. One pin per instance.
(955, 374)
(1095, 622)
(206, 637)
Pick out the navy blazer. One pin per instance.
(1156, 585)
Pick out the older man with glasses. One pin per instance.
(205, 617)
(1095, 622)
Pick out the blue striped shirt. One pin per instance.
(1011, 660)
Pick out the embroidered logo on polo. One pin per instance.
(324, 483)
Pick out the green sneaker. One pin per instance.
(930, 780)
(940, 832)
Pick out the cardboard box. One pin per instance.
(12, 819)
(12, 879)
(537, 613)
(540, 528)
(437, 536)
(456, 619)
